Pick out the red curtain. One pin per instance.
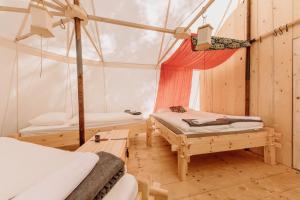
(176, 73)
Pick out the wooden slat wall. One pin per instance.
(271, 72)
(272, 76)
(222, 89)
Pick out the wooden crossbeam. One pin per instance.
(14, 9)
(26, 10)
(201, 12)
(97, 31)
(130, 24)
(163, 36)
(68, 2)
(92, 41)
(70, 42)
(168, 50)
(58, 2)
(50, 5)
(20, 31)
(65, 59)
(23, 37)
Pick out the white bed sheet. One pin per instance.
(176, 120)
(28, 170)
(68, 127)
(105, 118)
(126, 188)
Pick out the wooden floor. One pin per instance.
(238, 175)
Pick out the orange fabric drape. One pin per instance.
(176, 73)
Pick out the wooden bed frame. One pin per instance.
(187, 147)
(69, 140)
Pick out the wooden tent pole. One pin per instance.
(79, 78)
(248, 64)
(202, 11)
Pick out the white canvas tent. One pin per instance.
(39, 75)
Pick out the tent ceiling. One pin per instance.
(117, 44)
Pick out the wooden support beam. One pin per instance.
(26, 10)
(130, 24)
(201, 12)
(163, 36)
(50, 5)
(248, 64)
(68, 2)
(58, 14)
(79, 77)
(69, 60)
(97, 31)
(92, 41)
(25, 19)
(59, 3)
(23, 37)
(14, 9)
(169, 49)
(70, 42)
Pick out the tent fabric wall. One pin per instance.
(112, 86)
(56, 89)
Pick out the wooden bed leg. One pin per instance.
(144, 189)
(183, 159)
(149, 131)
(150, 190)
(270, 149)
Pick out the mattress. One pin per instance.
(174, 122)
(21, 159)
(126, 188)
(72, 127)
(29, 170)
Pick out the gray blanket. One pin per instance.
(217, 122)
(101, 179)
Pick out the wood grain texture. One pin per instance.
(238, 175)
(222, 89)
(271, 69)
(70, 139)
(190, 146)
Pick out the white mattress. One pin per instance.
(92, 120)
(175, 119)
(126, 188)
(28, 171)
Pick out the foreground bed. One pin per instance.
(188, 142)
(34, 172)
(65, 135)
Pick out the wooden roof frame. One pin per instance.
(58, 6)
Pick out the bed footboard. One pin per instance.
(69, 140)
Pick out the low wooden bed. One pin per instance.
(190, 146)
(70, 139)
(45, 166)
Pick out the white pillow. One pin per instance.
(50, 119)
